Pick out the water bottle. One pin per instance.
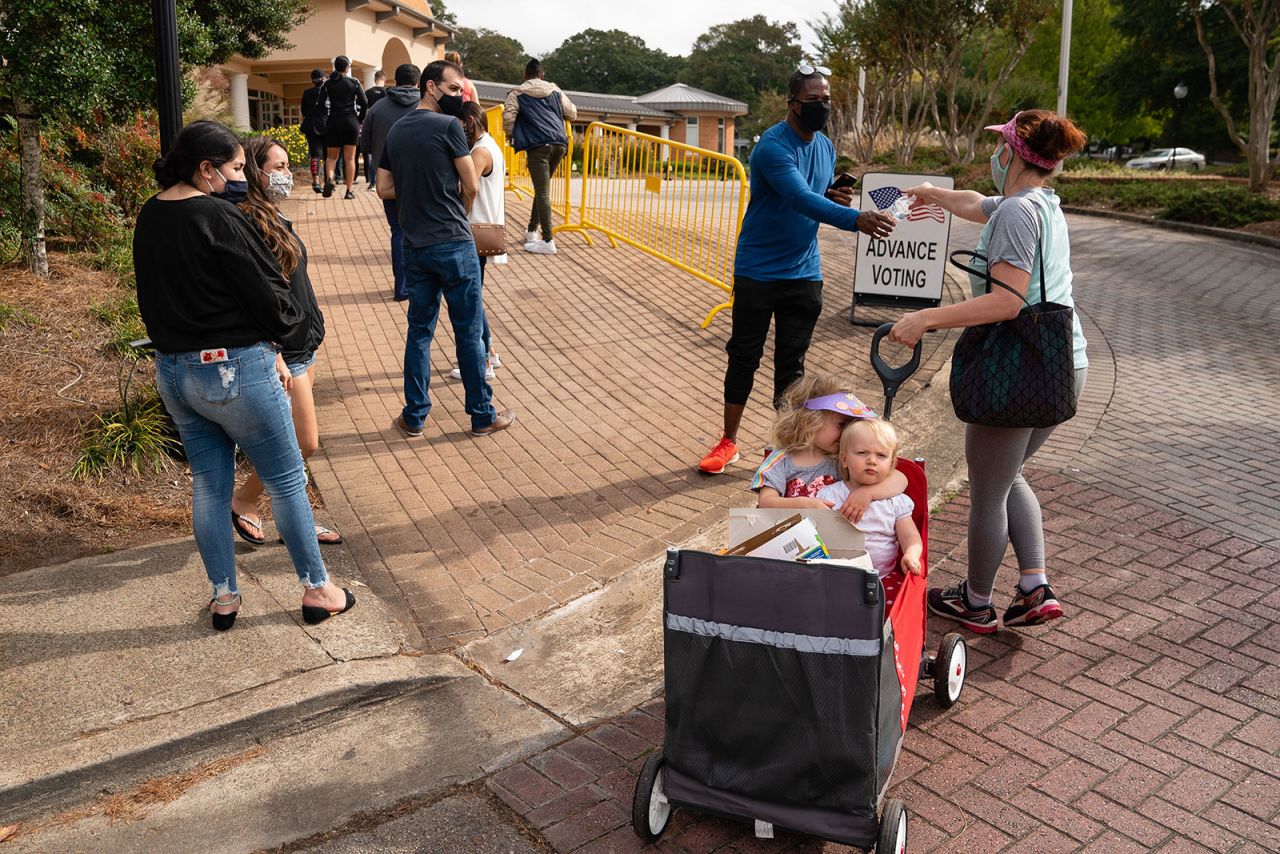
(898, 210)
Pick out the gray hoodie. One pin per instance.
(400, 100)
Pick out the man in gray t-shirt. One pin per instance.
(426, 167)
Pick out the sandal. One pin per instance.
(312, 614)
(236, 519)
(321, 530)
(222, 622)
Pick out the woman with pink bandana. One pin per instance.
(1025, 237)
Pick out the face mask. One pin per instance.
(450, 105)
(1000, 174)
(279, 185)
(814, 115)
(232, 191)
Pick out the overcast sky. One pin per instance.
(671, 25)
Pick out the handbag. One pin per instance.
(1018, 372)
(491, 239)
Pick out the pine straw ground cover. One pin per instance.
(49, 336)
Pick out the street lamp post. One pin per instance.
(1179, 96)
(164, 17)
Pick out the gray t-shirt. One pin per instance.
(780, 472)
(419, 153)
(1015, 229)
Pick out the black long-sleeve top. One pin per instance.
(344, 95)
(206, 279)
(309, 334)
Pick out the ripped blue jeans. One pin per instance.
(221, 399)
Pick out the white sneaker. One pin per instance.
(531, 237)
(494, 361)
(541, 247)
(456, 373)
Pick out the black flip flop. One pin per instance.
(312, 614)
(244, 535)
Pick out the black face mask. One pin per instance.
(813, 115)
(450, 105)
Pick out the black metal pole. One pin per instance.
(164, 15)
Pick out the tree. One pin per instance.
(839, 48)
(610, 62)
(489, 55)
(744, 59)
(1257, 23)
(94, 60)
(443, 15)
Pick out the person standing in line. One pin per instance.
(777, 271)
(346, 102)
(426, 167)
(266, 169)
(313, 126)
(400, 100)
(469, 93)
(372, 95)
(1024, 237)
(533, 118)
(489, 208)
(215, 305)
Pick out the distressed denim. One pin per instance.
(217, 406)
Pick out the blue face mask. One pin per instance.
(232, 191)
(1000, 174)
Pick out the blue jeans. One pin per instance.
(484, 336)
(239, 401)
(392, 213)
(451, 270)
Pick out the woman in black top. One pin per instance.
(215, 305)
(266, 168)
(342, 130)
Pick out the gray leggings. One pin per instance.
(1003, 508)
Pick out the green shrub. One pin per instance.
(123, 156)
(13, 314)
(124, 322)
(295, 144)
(1224, 207)
(133, 437)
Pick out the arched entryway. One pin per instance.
(394, 55)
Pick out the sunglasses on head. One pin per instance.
(806, 69)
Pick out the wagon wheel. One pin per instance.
(950, 669)
(650, 809)
(893, 828)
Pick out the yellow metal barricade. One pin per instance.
(679, 203)
(518, 180)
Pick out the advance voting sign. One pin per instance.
(906, 269)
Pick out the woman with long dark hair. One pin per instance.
(342, 127)
(270, 181)
(216, 305)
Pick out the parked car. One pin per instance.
(1168, 158)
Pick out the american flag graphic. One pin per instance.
(884, 196)
(932, 212)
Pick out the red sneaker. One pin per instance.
(721, 455)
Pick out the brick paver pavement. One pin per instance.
(1149, 718)
(619, 394)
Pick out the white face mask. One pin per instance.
(279, 185)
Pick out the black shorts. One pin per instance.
(342, 130)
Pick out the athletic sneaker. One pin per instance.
(531, 237)
(951, 602)
(456, 373)
(1030, 609)
(721, 455)
(541, 247)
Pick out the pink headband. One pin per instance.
(1009, 130)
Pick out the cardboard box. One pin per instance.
(843, 541)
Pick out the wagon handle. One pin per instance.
(892, 378)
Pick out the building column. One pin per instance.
(240, 100)
(664, 131)
(367, 78)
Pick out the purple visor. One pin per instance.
(843, 403)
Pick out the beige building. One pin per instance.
(373, 34)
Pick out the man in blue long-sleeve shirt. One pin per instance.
(777, 273)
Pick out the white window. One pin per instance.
(720, 136)
(691, 130)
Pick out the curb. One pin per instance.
(1173, 225)
(256, 715)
